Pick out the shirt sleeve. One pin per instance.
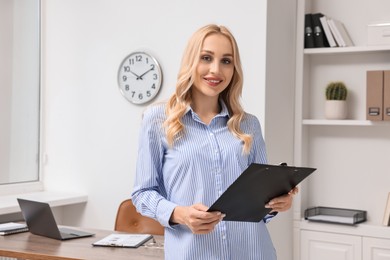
(149, 196)
(259, 153)
(269, 216)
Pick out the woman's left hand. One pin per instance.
(282, 203)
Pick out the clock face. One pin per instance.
(139, 77)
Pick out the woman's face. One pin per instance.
(215, 69)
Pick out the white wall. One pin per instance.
(279, 109)
(91, 131)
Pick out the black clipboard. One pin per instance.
(246, 197)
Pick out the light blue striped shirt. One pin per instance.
(198, 169)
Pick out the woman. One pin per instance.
(193, 147)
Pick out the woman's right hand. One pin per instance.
(196, 218)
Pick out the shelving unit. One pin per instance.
(351, 156)
(352, 49)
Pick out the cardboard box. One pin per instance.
(378, 34)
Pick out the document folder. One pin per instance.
(386, 96)
(374, 95)
(245, 198)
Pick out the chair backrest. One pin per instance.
(129, 220)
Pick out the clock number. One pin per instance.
(126, 68)
(152, 66)
(148, 93)
(131, 61)
(132, 93)
(138, 58)
(140, 96)
(154, 76)
(124, 77)
(127, 87)
(153, 86)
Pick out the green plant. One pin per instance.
(336, 91)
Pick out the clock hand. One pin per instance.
(146, 72)
(138, 77)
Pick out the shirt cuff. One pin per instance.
(269, 216)
(164, 212)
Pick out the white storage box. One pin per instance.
(378, 34)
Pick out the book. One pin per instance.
(386, 217)
(12, 228)
(309, 36)
(339, 31)
(124, 240)
(327, 31)
(320, 39)
(335, 33)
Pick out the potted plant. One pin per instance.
(336, 100)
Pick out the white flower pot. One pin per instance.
(335, 109)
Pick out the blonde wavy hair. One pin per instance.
(181, 99)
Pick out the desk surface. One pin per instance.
(28, 246)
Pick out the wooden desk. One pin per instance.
(28, 246)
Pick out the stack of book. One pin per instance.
(12, 228)
(322, 31)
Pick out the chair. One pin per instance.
(129, 220)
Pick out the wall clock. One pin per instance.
(139, 77)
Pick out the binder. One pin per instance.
(12, 228)
(386, 96)
(245, 198)
(309, 36)
(320, 39)
(374, 95)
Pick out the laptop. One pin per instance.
(40, 221)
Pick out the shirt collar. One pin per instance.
(224, 111)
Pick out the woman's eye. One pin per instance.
(226, 61)
(206, 58)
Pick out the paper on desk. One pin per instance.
(124, 240)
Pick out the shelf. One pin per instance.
(358, 230)
(346, 152)
(353, 49)
(320, 122)
(9, 204)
